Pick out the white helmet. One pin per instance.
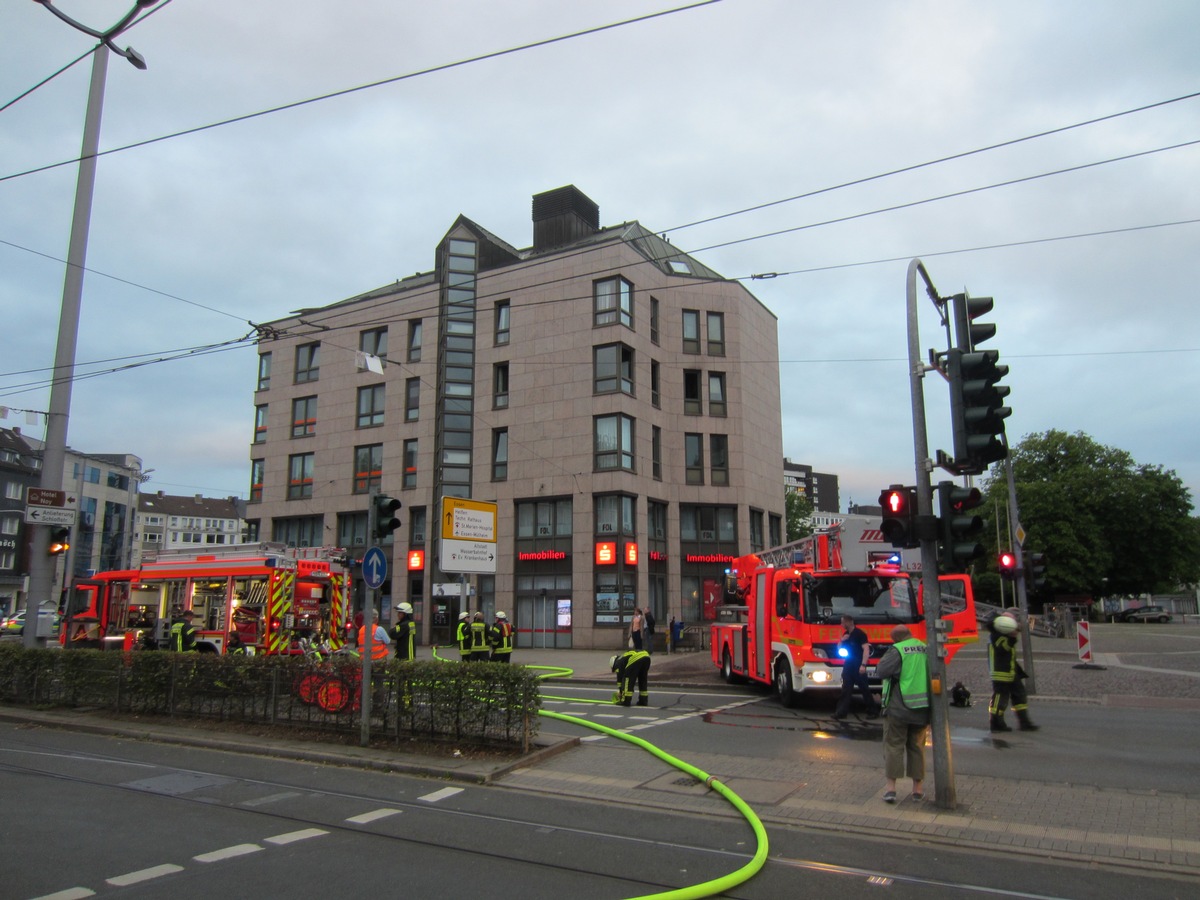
(1005, 624)
(405, 608)
(612, 662)
(501, 615)
(463, 616)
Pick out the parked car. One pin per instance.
(15, 624)
(1145, 614)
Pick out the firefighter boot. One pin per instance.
(998, 724)
(628, 701)
(643, 700)
(1023, 720)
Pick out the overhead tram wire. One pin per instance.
(443, 67)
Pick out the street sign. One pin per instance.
(375, 568)
(49, 515)
(43, 497)
(468, 536)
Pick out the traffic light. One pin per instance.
(899, 525)
(385, 516)
(1007, 563)
(958, 528)
(977, 410)
(1035, 572)
(60, 541)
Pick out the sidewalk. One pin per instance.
(1154, 831)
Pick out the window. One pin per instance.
(412, 399)
(693, 455)
(260, 423)
(258, 468)
(692, 402)
(304, 417)
(410, 464)
(368, 468)
(416, 525)
(718, 454)
(9, 523)
(500, 386)
(613, 302)
(302, 531)
(708, 524)
(612, 369)
(716, 334)
(613, 436)
(264, 371)
(615, 515)
(655, 385)
(716, 393)
(656, 520)
(374, 342)
(544, 519)
(691, 331)
(308, 363)
(503, 312)
(500, 454)
(370, 406)
(300, 476)
(352, 529)
(756, 530)
(775, 524)
(656, 453)
(414, 340)
(654, 312)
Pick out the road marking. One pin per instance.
(440, 795)
(227, 853)
(373, 815)
(272, 798)
(143, 875)
(292, 836)
(68, 894)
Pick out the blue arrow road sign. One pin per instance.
(375, 568)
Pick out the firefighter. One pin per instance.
(478, 636)
(183, 634)
(404, 632)
(501, 638)
(463, 636)
(235, 646)
(379, 642)
(631, 665)
(1008, 678)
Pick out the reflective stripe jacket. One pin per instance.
(904, 670)
(502, 638)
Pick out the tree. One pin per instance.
(1106, 524)
(799, 509)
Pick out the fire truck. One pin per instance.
(780, 620)
(272, 595)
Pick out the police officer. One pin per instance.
(480, 652)
(630, 666)
(463, 636)
(501, 638)
(404, 632)
(183, 635)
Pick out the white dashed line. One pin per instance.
(292, 836)
(227, 853)
(273, 798)
(440, 795)
(143, 875)
(68, 894)
(373, 815)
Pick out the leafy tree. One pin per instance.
(799, 510)
(1106, 524)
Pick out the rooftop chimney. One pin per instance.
(563, 216)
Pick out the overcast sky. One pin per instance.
(699, 113)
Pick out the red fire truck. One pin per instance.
(780, 622)
(271, 594)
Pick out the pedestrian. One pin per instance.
(905, 672)
(855, 652)
(404, 632)
(480, 652)
(463, 636)
(648, 629)
(1008, 678)
(635, 629)
(630, 666)
(183, 634)
(501, 638)
(378, 644)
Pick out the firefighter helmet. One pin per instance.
(612, 663)
(501, 615)
(463, 616)
(1004, 623)
(405, 608)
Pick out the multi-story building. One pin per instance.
(820, 488)
(20, 469)
(617, 399)
(165, 522)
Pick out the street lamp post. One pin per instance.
(41, 570)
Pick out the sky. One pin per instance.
(826, 144)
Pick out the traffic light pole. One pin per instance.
(943, 764)
(364, 646)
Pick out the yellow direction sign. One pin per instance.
(468, 536)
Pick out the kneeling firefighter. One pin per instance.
(630, 665)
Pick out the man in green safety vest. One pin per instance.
(904, 671)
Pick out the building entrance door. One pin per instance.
(543, 620)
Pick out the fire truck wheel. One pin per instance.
(334, 695)
(307, 686)
(727, 672)
(783, 684)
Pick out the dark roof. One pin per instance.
(166, 505)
